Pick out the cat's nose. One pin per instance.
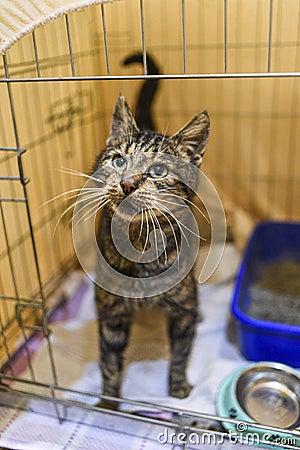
(130, 184)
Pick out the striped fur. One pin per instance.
(179, 303)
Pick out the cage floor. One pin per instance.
(75, 347)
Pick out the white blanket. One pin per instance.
(75, 346)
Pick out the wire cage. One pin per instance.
(238, 59)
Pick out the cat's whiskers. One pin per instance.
(170, 193)
(78, 190)
(172, 228)
(91, 196)
(173, 203)
(88, 214)
(161, 234)
(65, 212)
(155, 238)
(147, 233)
(180, 224)
(82, 194)
(154, 216)
(183, 206)
(80, 174)
(141, 225)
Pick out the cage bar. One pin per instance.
(37, 270)
(55, 403)
(6, 347)
(143, 37)
(180, 413)
(36, 55)
(13, 200)
(12, 110)
(270, 35)
(183, 34)
(187, 76)
(70, 45)
(11, 149)
(14, 279)
(225, 38)
(105, 39)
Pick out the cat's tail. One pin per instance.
(143, 107)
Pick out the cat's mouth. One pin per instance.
(132, 207)
(136, 206)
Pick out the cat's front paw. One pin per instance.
(180, 390)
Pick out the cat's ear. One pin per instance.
(122, 122)
(193, 137)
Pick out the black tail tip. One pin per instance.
(138, 57)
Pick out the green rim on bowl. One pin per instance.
(249, 393)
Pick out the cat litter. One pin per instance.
(265, 305)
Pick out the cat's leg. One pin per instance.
(114, 333)
(181, 332)
(114, 328)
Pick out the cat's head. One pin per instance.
(143, 165)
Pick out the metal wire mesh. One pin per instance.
(238, 59)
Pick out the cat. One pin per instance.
(126, 142)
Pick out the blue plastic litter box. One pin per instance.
(262, 340)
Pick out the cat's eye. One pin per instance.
(158, 170)
(119, 162)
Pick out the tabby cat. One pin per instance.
(126, 142)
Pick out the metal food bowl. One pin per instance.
(270, 395)
(265, 393)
